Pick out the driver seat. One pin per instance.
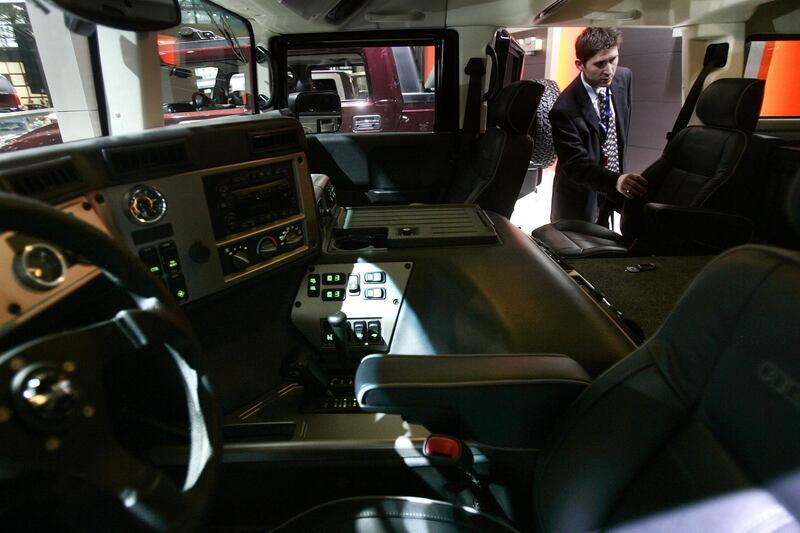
(696, 430)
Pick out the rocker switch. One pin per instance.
(374, 332)
(360, 331)
(353, 286)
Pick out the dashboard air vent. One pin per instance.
(52, 182)
(167, 156)
(274, 142)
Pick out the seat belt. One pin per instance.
(716, 57)
(472, 111)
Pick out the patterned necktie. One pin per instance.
(609, 127)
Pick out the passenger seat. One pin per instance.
(698, 188)
(490, 169)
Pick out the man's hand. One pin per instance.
(632, 185)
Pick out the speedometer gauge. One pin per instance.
(145, 204)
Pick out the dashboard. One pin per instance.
(204, 207)
(208, 207)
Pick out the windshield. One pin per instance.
(47, 82)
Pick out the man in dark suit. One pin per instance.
(590, 130)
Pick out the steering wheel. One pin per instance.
(54, 411)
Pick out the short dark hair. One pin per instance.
(593, 40)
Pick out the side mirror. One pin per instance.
(199, 101)
(265, 76)
(262, 54)
(317, 111)
(179, 72)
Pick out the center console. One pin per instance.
(369, 294)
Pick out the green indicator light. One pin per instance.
(173, 263)
(181, 293)
(329, 337)
(154, 270)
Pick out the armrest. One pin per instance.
(502, 400)
(676, 229)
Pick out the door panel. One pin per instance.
(394, 168)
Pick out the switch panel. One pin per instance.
(370, 294)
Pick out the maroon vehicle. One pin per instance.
(381, 88)
(182, 57)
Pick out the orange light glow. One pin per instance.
(781, 68)
(566, 56)
(430, 60)
(166, 48)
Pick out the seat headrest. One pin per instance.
(731, 103)
(514, 107)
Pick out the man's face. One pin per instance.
(598, 70)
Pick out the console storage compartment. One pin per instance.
(501, 400)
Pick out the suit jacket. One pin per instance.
(577, 140)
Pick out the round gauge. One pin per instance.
(40, 266)
(146, 205)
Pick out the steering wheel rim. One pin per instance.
(68, 367)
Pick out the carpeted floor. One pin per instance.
(646, 297)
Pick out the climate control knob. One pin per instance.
(267, 246)
(292, 237)
(240, 260)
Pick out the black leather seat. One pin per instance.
(696, 430)
(700, 198)
(491, 169)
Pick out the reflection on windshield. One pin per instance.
(204, 73)
(204, 64)
(24, 98)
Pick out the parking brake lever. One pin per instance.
(341, 335)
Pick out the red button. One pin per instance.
(442, 446)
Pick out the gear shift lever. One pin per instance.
(339, 326)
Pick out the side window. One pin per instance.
(382, 88)
(416, 72)
(778, 62)
(27, 117)
(205, 70)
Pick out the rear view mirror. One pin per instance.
(317, 111)
(130, 15)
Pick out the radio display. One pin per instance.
(246, 199)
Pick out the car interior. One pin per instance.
(310, 307)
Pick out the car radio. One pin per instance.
(246, 199)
